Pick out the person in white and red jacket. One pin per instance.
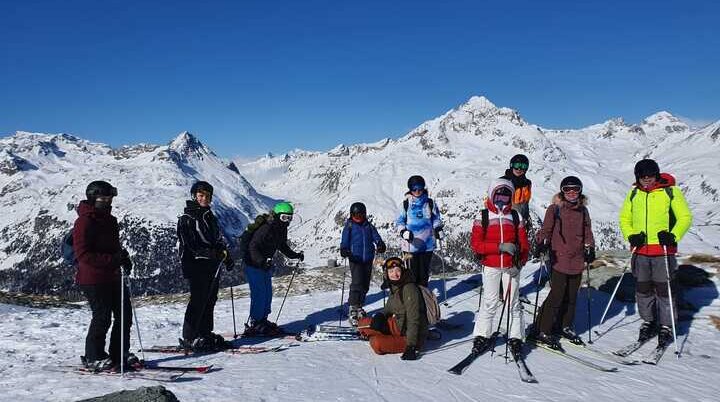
(502, 246)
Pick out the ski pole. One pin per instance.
(286, 293)
(602, 319)
(502, 312)
(135, 317)
(342, 295)
(537, 289)
(122, 322)
(444, 277)
(672, 306)
(509, 317)
(482, 286)
(232, 303)
(587, 288)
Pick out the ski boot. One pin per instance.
(356, 313)
(665, 336)
(480, 344)
(515, 345)
(548, 340)
(571, 336)
(96, 366)
(648, 329)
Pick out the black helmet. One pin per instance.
(99, 188)
(358, 208)
(415, 181)
(646, 167)
(201, 186)
(520, 158)
(571, 181)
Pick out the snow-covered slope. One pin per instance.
(459, 153)
(43, 177)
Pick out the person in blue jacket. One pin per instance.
(419, 224)
(358, 244)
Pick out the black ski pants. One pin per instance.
(420, 266)
(361, 273)
(199, 312)
(105, 304)
(560, 302)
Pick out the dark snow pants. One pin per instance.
(651, 290)
(560, 302)
(361, 273)
(420, 266)
(104, 301)
(199, 312)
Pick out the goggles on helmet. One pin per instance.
(286, 218)
(519, 166)
(571, 189)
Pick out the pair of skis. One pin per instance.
(652, 358)
(523, 370)
(159, 373)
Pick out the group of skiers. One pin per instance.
(653, 218)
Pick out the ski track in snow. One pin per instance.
(349, 370)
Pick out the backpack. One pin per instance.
(431, 204)
(431, 305)
(669, 192)
(247, 234)
(66, 247)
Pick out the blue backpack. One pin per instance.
(66, 247)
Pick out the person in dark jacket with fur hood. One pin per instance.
(567, 235)
(402, 327)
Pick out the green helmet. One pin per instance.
(283, 208)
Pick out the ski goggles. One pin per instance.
(519, 166)
(287, 218)
(571, 189)
(502, 199)
(417, 187)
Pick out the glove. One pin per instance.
(345, 252)
(301, 256)
(637, 240)
(541, 248)
(439, 234)
(513, 271)
(218, 254)
(267, 264)
(589, 254)
(508, 248)
(410, 353)
(126, 265)
(407, 235)
(666, 238)
(381, 247)
(229, 264)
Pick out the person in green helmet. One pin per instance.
(268, 238)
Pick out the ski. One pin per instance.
(524, 371)
(315, 336)
(600, 353)
(470, 358)
(575, 358)
(237, 350)
(196, 369)
(630, 348)
(655, 355)
(141, 374)
(336, 329)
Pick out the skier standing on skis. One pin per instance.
(266, 240)
(402, 327)
(419, 224)
(653, 219)
(501, 244)
(100, 257)
(202, 250)
(358, 244)
(567, 233)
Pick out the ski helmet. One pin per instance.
(571, 181)
(520, 161)
(358, 208)
(99, 188)
(201, 186)
(283, 207)
(647, 167)
(415, 182)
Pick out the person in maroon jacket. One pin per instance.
(100, 257)
(567, 234)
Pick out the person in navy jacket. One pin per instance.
(359, 242)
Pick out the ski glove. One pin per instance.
(439, 234)
(513, 271)
(508, 248)
(666, 238)
(345, 252)
(381, 247)
(637, 240)
(589, 254)
(229, 264)
(127, 266)
(267, 264)
(407, 235)
(410, 353)
(540, 249)
(300, 256)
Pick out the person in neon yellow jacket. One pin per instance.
(653, 218)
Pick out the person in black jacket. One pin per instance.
(202, 250)
(265, 241)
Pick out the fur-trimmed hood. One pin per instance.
(559, 200)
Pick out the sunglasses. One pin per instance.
(417, 188)
(647, 176)
(519, 166)
(571, 189)
(286, 218)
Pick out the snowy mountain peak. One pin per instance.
(187, 145)
(478, 103)
(665, 122)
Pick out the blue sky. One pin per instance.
(252, 77)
